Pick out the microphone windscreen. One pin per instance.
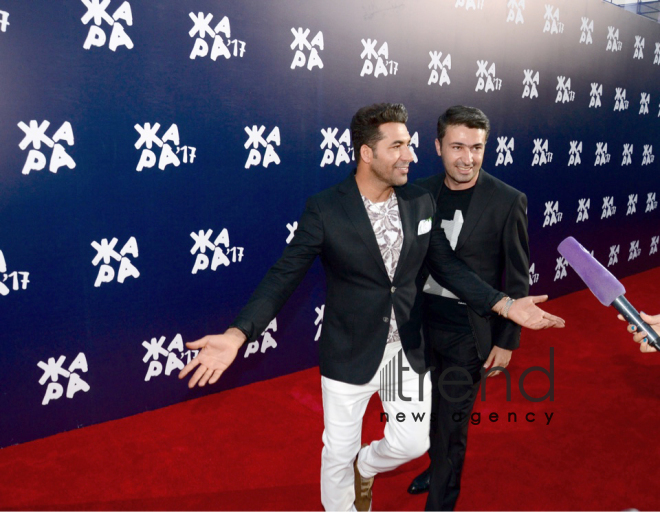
(600, 281)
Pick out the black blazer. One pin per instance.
(494, 243)
(360, 295)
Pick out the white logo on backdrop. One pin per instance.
(17, 280)
(614, 255)
(640, 42)
(515, 8)
(292, 231)
(644, 102)
(564, 92)
(267, 341)
(319, 321)
(552, 213)
(613, 43)
(53, 370)
(635, 251)
(533, 275)
(627, 154)
(255, 139)
(487, 79)
(552, 23)
(223, 253)
(530, 82)
(608, 207)
(656, 58)
(595, 94)
(202, 28)
(414, 143)
(96, 10)
(470, 4)
(173, 355)
(505, 151)
(541, 154)
(602, 156)
(343, 154)
(35, 134)
(632, 204)
(383, 66)
(651, 203)
(560, 269)
(586, 31)
(312, 57)
(439, 68)
(583, 209)
(654, 245)
(148, 137)
(4, 21)
(106, 251)
(648, 157)
(620, 101)
(575, 153)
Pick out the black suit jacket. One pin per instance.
(494, 243)
(360, 294)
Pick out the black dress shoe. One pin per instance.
(421, 483)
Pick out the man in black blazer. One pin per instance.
(485, 221)
(372, 234)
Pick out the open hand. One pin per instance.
(216, 353)
(525, 312)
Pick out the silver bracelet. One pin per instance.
(507, 306)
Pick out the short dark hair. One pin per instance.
(365, 125)
(457, 115)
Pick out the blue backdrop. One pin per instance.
(156, 156)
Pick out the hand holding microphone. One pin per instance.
(607, 289)
(641, 337)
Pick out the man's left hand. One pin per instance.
(498, 357)
(525, 312)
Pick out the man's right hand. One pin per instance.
(216, 353)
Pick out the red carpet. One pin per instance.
(258, 447)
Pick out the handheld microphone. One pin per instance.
(607, 289)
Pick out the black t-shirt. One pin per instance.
(442, 308)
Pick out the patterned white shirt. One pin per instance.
(386, 223)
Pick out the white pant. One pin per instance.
(343, 408)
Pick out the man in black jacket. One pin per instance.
(372, 234)
(485, 221)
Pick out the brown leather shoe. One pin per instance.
(362, 488)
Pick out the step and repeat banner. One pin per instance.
(155, 158)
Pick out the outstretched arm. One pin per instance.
(515, 261)
(218, 351)
(451, 272)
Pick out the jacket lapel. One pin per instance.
(408, 224)
(480, 200)
(351, 201)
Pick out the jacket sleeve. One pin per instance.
(515, 241)
(284, 276)
(452, 273)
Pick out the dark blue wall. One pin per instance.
(59, 63)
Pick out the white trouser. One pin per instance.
(343, 408)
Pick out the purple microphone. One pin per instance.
(607, 289)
